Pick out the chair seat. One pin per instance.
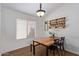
(53, 47)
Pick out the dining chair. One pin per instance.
(58, 46)
(54, 47)
(61, 45)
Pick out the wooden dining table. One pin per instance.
(45, 42)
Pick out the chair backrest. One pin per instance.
(62, 40)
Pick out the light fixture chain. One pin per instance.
(40, 6)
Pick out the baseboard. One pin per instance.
(76, 53)
(2, 52)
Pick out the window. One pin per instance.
(25, 29)
(21, 27)
(31, 29)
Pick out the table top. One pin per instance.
(45, 41)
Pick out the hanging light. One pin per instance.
(40, 12)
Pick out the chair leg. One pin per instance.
(63, 49)
(50, 50)
(58, 51)
(54, 52)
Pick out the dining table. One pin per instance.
(46, 41)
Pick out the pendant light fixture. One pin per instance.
(40, 12)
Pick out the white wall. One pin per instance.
(71, 32)
(9, 41)
(0, 25)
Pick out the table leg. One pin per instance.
(63, 50)
(46, 51)
(33, 48)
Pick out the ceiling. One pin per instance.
(31, 8)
